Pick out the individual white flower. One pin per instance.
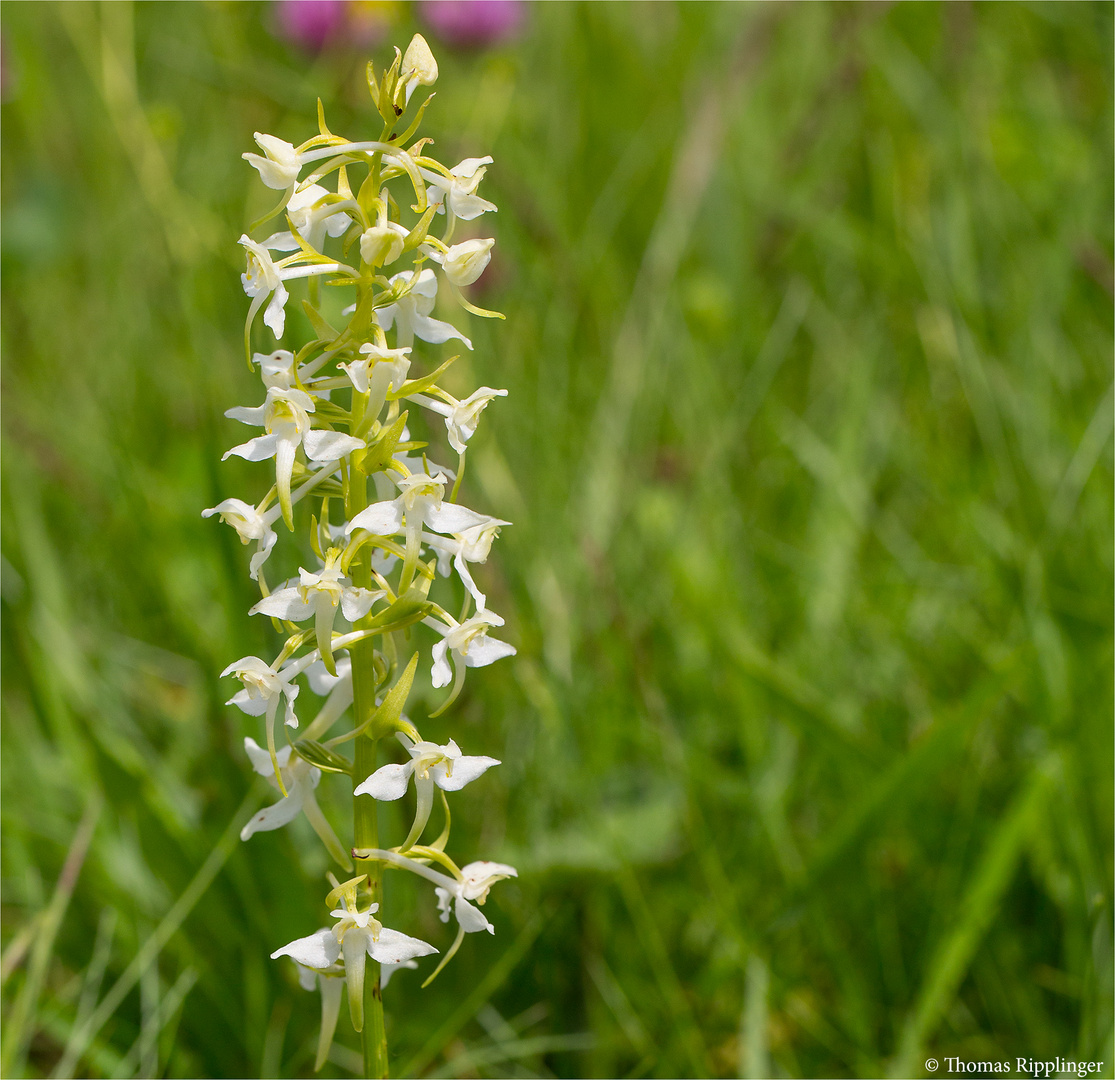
(477, 879)
(377, 372)
(355, 936)
(280, 165)
(264, 277)
(250, 525)
(429, 764)
(461, 417)
(463, 263)
(419, 68)
(320, 594)
(264, 688)
(469, 644)
(471, 545)
(313, 222)
(469, 884)
(458, 190)
(419, 504)
(285, 416)
(299, 778)
(412, 312)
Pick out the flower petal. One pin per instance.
(381, 518)
(253, 706)
(465, 770)
(471, 919)
(387, 783)
(284, 604)
(356, 603)
(319, 950)
(485, 650)
(260, 448)
(275, 817)
(441, 673)
(435, 331)
(330, 445)
(453, 518)
(394, 947)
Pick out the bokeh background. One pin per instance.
(808, 746)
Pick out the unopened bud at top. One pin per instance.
(419, 66)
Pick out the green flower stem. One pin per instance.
(366, 833)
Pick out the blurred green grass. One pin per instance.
(807, 751)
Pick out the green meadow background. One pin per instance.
(808, 449)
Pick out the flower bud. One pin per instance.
(381, 245)
(419, 66)
(465, 262)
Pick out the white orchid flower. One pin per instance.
(354, 937)
(463, 263)
(458, 190)
(377, 372)
(412, 312)
(461, 417)
(313, 222)
(320, 594)
(477, 879)
(470, 645)
(299, 778)
(264, 688)
(429, 764)
(264, 278)
(280, 165)
(250, 525)
(285, 416)
(419, 504)
(472, 545)
(457, 893)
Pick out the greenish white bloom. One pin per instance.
(469, 644)
(411, 312)
(463, 263)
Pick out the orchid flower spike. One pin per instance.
(469, 545)
(250, 525)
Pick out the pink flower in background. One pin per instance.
(473, 22)
(313, 24)
(310, 23)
